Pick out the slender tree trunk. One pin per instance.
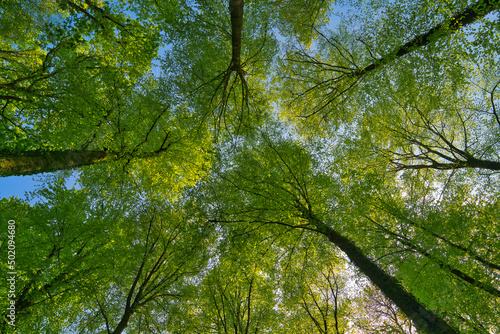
(123, 322)
(236, 10)
(40, 161)
(469, 163)
(469, 15)
(423, 319)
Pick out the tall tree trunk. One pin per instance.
(423, 319)
(40, 161)
(469, 163)
(123, 322)
(469, 15)
(236, 10)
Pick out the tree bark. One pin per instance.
(469, 163)
(236, 10)
(423, 318)
(40, 161)
(123, 322)
(483, 164)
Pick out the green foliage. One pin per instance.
(54, 244)
(211, 213)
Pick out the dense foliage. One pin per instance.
(252, 166)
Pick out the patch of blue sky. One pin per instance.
(21, 186)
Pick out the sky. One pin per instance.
(17, 185)
(20, 185)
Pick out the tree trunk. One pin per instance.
(423, 319)
(470, 15)
(40, 161)
(236, 10)
(483, 164)
(469, 163)
(123, 322)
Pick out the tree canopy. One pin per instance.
(251, 166)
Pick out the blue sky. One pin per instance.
(17, 185)
(20, 185)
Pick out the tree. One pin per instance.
(429, 132)
(154, 274)
(141, 125)
(322, 304)
(222, 77)
(321, 81)
(231, 299)
(285, 173)
(72, 56)
(227, 76)
(98, 267)
(217, 208)
(64, 263)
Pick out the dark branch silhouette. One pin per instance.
(345, 75)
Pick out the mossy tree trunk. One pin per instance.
(41, 161)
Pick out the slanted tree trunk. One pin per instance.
(343, 78)
(469, 15)
(123, 322)
(41, 161)
(424, 320)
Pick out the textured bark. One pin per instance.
(236, 11)
(469, 15)
(469, 163)
(40, 161)
(424, 320)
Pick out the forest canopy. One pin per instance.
(311, 166)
